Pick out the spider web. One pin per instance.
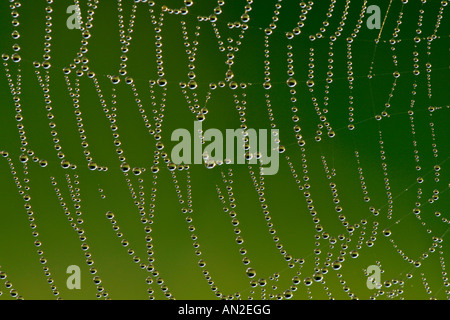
(362, 116)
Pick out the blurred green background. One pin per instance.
(173, 252)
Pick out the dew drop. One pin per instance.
(251, 273)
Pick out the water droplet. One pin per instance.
(162, 82)
(291, 82)
(115, 79)
(251, 273)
